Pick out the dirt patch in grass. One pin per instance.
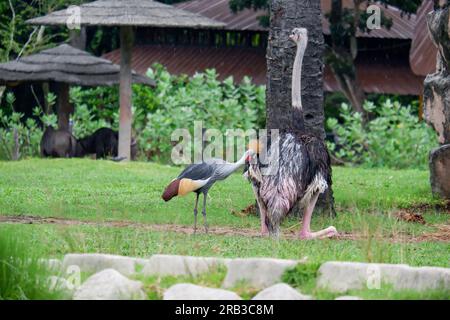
(441, 234)
(409, 216)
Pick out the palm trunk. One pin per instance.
(285, 16)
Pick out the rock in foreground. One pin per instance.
(109, 284)
(187, 291)
(281, 291)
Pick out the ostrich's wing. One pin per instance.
(200, 171)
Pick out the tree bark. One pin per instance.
(285, 15)
(437, 99)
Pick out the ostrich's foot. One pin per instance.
(264, 231)
(329, 232)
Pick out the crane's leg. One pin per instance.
(195, 213)
(305, 231)
(204, 212)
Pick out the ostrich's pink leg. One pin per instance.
(305, 231)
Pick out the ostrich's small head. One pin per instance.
(298, 35)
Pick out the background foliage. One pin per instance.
(394, 138)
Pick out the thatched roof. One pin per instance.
(130, 13)
(67, 65)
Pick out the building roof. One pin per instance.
(423, 51)
(403, 25)
(129, 13)
(375, 76)
(67, 65)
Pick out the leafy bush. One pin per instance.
(395, 138)
(175, 103)
(19, 138)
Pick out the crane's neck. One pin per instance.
(230, 168)
(297, 76)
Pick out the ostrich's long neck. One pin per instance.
(297, 77)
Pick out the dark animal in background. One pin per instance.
(103, 143)
(58, 144)
(303, 171)
(199, 178)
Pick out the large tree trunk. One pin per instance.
(437, 99)
(285, 16)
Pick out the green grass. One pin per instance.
(22, 275)
(103, 190)
(366, 201)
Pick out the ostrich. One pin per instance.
(200, 177)
(303, 170)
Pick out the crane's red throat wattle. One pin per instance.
(171, 190)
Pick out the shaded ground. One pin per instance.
(442, 233)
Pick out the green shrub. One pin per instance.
(395, 138)
(19, 137)
(175, 103)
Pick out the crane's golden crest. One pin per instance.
(255, 146)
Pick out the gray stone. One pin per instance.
(109, 285)
(187, 291)
(281, 291)
(344, 276)
(172, 265)
(94, 262)
(348, 298)
(440, 171)
(258, 273)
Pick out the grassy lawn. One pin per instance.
(100, 191)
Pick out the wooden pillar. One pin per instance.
(126, 46)
(64, 106)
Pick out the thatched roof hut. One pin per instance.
(65, 64)
(127, 14)
(146, 13)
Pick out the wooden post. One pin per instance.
(64, 106)
(126, 46)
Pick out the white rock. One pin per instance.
(348, 298)
(256, 272)
(109, 285)
(94, 262)
(281, 291)
(344, 276)
(172, 265)
(187, 291)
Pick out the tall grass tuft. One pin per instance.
(22, 275)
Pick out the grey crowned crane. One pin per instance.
(200, 177)
(303, 162)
